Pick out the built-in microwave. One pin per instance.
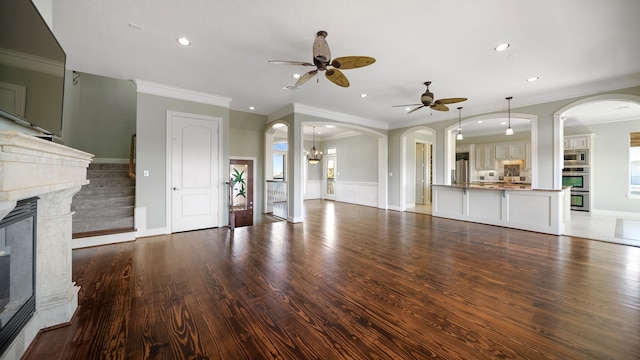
(576, 157)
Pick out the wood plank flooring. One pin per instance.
(353, 282)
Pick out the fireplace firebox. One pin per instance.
(17, 269)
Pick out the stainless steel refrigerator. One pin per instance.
(462, 168)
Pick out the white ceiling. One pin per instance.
(575, 47)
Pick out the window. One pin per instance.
(279, 166)
(634, 165)
(279, 160)
(331, 151)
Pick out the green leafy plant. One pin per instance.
(238, 178)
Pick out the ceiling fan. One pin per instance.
(322, 61)
(427, 101)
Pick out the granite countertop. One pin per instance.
(498, 186)
(495, 185)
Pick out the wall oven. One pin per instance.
(577, 177)
(576, 157)
(580, 200)
(579, 180)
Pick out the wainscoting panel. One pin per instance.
(354, 192)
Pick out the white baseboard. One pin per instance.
(394, 208)
(617, 214)
(102, 240)
(152, 232)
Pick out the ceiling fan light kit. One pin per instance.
(427, 100)
(322, 61)
(509, 129)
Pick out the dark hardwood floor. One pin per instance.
(353, 282)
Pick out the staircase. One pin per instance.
(105, 205)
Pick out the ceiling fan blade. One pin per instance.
(306, 77)
(450, 100)
(414, 109)
(321, 52)
(286, 62)
(337, 77)
(439, 107)
(406, 105)
(352, 62)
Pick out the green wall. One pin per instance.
(99, 115)
(151, 153)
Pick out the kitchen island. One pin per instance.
(510, 205)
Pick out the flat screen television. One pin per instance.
(32, 68)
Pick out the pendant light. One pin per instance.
(315, 155)
(509, 129)
(459, 136)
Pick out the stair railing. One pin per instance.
(132, 155)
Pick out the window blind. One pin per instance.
(634, 139)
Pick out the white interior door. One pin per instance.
(194, 172)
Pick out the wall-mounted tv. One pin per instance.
(32, 68)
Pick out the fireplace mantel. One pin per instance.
(30, 167)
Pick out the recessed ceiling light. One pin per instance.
(407, 109)
(533, 78)
(252, 108)
(479, 121)
(330, 126)
(503, 123)
(363, 95)
(296, 76)
(501, 47)
(184, 41)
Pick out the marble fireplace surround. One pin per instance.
(30, 167)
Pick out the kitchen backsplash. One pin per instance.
(514, 169)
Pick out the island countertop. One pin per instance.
(497, 186)
(511, 205)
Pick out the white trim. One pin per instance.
(332, 115)
(294, 220)
(102, 240)
(617, 214)
(153, 232)
(150, 88)
(280, 113)
(403, 160)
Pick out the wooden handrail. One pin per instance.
(132, 151)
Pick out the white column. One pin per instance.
(56, 293)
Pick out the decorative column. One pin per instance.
(57, 295)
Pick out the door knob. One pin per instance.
(175, 188)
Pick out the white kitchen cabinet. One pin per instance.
(510, 151)
(575, 142)
(485, 157)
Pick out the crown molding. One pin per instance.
(151, 88)
(336, 116)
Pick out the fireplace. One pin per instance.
(44, 175)
(17, 269)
